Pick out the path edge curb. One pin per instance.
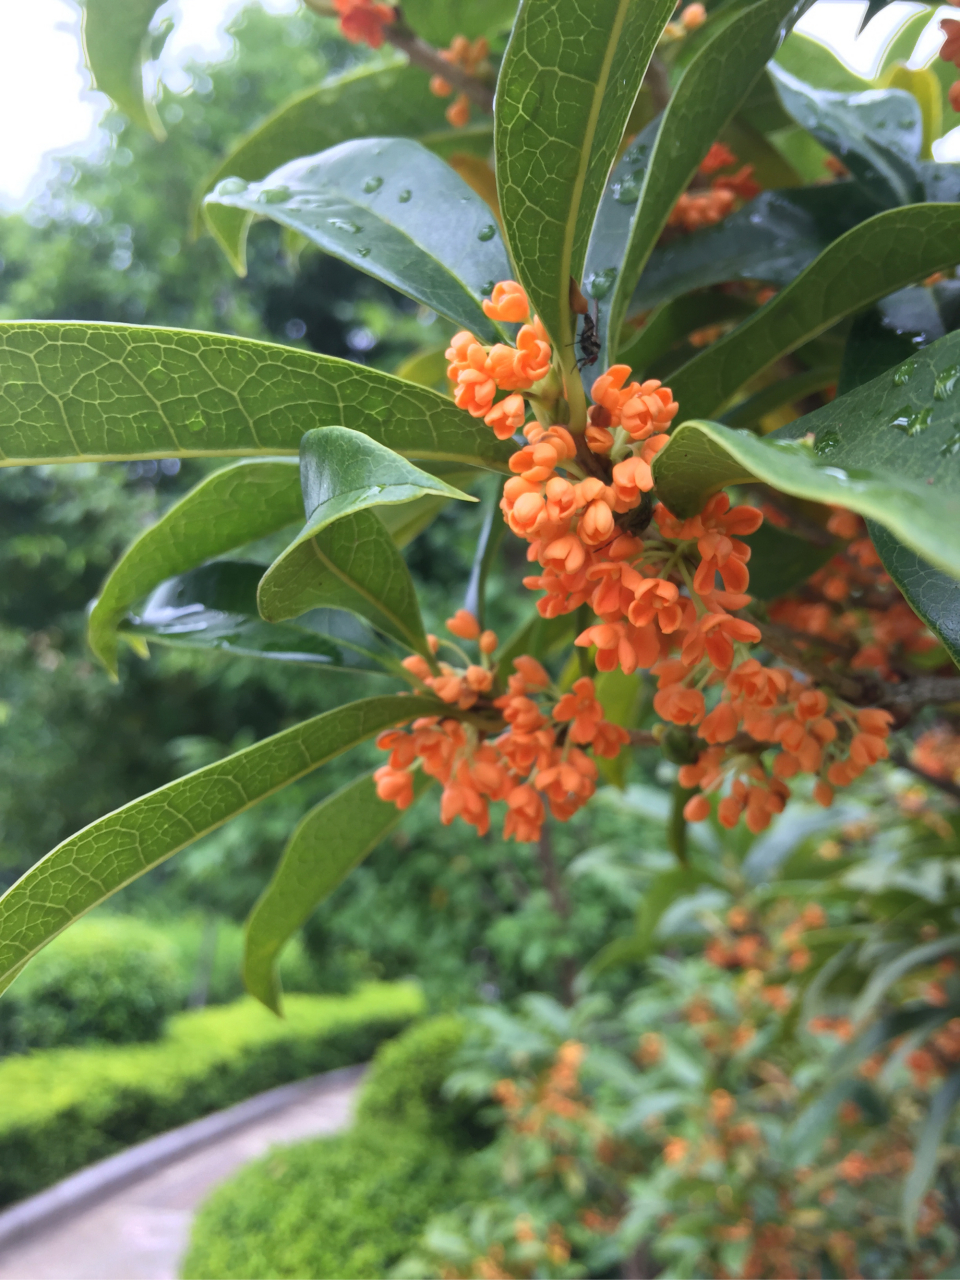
(98, 1181)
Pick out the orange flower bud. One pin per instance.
(464, 625)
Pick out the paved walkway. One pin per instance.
(141, 1232)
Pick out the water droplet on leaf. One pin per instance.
(904, 373)
(404, 195)
(600, 283)
(952, 447)
(911, 422)
(487, 232)
(826, 440)
(364, 251)
(195, 424)
(373, 184)
(946, 382)
(344, 224)
(627, 190)
(274, 195)
(230, 187)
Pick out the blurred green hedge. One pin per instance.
(113, 979)
(349, 1206)
(61, 1109)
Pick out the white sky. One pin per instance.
(47, 107)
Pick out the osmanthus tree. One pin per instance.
(702, 281)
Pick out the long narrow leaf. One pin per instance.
(880, 255)
(717, 80)
(226, 510)
(88, 867)
(566, 87)
(924, 1169)
(77, 392)
(393, 210)
(322, 851)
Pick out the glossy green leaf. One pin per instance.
(714, 84)
(566, 88)
(932, 594)
(114, 41)
(215, 607)
(807, 59)
(384, 96)
(878, 341)
(780, 561)
(873, 450)
(352, 564)
(887, 252)
(392, 209)
(343, 475)
(878, 135)
(226, 510)
(72, 392)
(885, 975)
(773, 238)
(485, 555)
(926, 1157)
(88, 867)
(324, 848)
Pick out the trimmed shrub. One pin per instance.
(346, 1207)
(351, 1206)
(62, 1108)
(113, 979)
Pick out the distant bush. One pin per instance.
(113, 979)
(62, 1108)
(352, 1206)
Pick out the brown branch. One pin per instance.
(423, 55)
(903, 761)
(780, 642)
(426, 56)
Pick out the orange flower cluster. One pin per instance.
(362, 21)
(542, 754)
(950, 52)
(479, 372)
(704, 208)
(742, 944)
(852, 603)
(470, 55)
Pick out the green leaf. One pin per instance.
(674, 321)
(885, 975)
(438, 21)
(926, 1157)
(876, 343)
(716, 82)
(343, 545)
(773, 238)
(88, 867)
(933, 595)
(567, 85)
(809, 60)
(324, 848)
(114, 44)
(352, 564)
(384, 96)
(780, 561)
(72, 392)
(392, 209)
(703, 457)
(343, 471)
(877, 135)
(215, 607)
(226, 510)
(749, 412)
(887, 252)
(488, 544)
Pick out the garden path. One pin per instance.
(140, 1232)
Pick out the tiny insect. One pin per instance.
(588, 342)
